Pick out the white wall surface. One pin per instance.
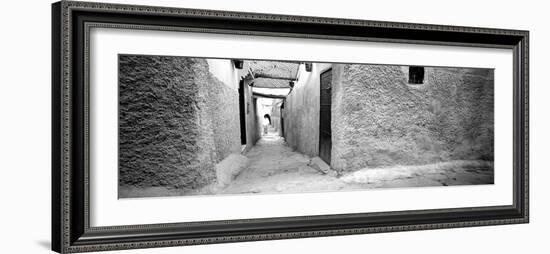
(224, 70)
(25, 126)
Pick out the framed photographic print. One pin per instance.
(182, 126)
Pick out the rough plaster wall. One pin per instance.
(252, 134)
(223, 110)
(378, 119)
(176, 121)
(224, 70)
(161, 126)
(276, 117)
(301, 111)
(258, 117)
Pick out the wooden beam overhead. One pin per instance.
(263, 75)
(271, 96)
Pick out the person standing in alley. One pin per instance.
(266, 122)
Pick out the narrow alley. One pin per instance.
(274, 167)
(242, 126)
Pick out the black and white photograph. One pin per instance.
(213, 126)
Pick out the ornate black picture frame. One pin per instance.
(71, 230)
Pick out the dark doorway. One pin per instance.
(325, 133)
(282, 119)
(242, 112)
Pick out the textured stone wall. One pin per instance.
(378, 119)
(176, 120)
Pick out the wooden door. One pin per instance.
(242, 111)
(325, 133)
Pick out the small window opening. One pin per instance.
(416, 75)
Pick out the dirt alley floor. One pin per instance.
(275, 168)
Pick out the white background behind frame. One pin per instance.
(25, 139)
(107, 210)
